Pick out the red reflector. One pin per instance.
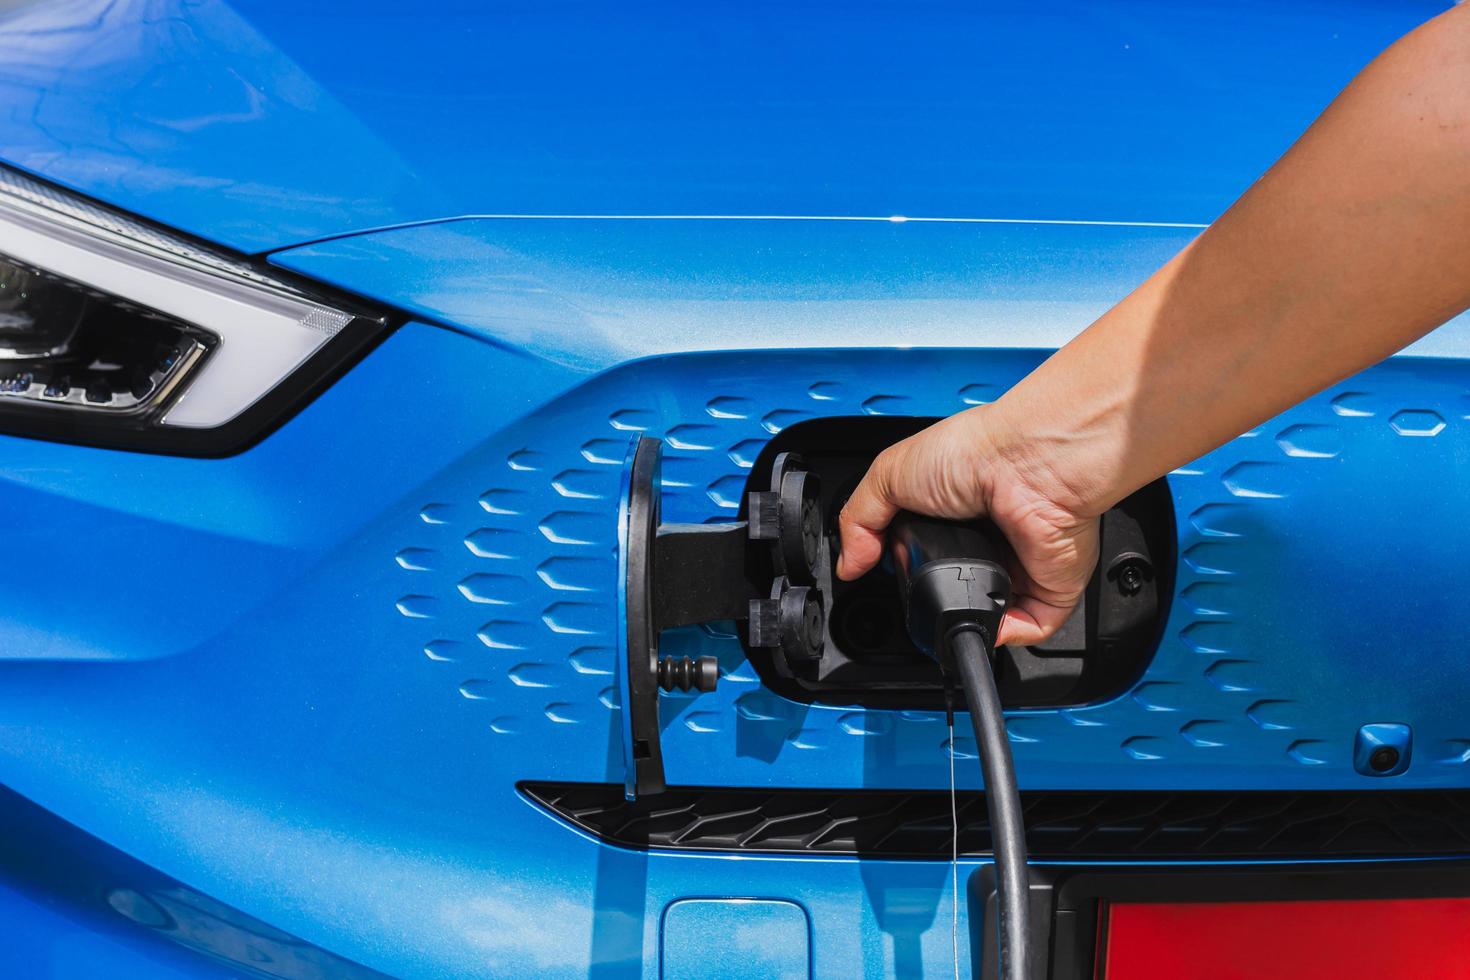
(1382, 939)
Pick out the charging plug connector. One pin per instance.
(951, 575)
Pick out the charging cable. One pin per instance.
(955, 589)
(1002, 800)
(954, 849)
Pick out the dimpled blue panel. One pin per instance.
(1311, 549)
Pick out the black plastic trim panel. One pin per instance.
(1061, 826)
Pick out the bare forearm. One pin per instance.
(1356, 243)
(1353, 245)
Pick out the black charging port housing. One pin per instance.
(868, 659)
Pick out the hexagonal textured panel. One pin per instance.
(1417, 422)
(1310, 441)
(508, 583)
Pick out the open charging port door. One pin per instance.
(647, 562)
(767, 572)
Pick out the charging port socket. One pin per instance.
(867, 658)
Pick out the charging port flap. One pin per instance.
(672, 575)
(769, 571)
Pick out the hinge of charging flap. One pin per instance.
(699, 574)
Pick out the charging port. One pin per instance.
(814, 638)
(867, 658)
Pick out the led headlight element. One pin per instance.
(61, 344)
(114, 331)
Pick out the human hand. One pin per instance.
(958, 468)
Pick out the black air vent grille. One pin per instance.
(1060, 825)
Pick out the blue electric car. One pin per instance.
(423, 426)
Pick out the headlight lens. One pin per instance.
(62, 345)
(118, 333)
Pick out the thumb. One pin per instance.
(1036, 612)
(1030, 620)
(863, 520)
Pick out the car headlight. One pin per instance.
(114, 332)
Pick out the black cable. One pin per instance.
(1002, 802)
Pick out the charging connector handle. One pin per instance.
(955, 589)
(950, 573)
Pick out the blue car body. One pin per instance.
(276, 706)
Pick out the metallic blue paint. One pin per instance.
(735, 938)
(590, 294)
(73, 906)
(263, 124)
(44, 940)
(304, 680)
(586, 295)
(444, 625)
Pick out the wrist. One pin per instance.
(1058, 465)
